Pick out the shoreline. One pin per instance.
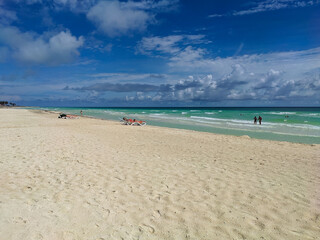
(193, 130)
(97, 179)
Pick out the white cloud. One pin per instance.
(127, 78)
(160, 44)
(30, 48)
(112, 17)
(271, 5)
(215, 15)
(292, 62)
(169, 44)
(286, 76)
(160, 6)
(85, 5)
(7, 16)
(115, 18)
(188, 56)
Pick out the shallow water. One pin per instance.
(283, 124)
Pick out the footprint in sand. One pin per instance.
(19, 220)
(146, 227)
(27, 189)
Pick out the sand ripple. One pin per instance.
(99, 180)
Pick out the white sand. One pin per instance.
(93, 179)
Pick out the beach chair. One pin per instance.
(132, 122)
(126, 121)
(139, 123)
(68, 116)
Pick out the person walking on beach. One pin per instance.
(255, 120)
(81, 113)
(260, 120)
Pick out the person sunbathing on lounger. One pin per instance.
(69, 116)
(133, 122)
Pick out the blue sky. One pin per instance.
(160, 53)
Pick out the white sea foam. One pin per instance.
(305, 126)
(310, 115)
(295, 134)
(280, 113)
(247, 123)
(222, 119)
(202, 121)
(157, 115)
(208, 118)
(248, 126)
(110, 112)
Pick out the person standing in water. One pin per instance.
(255, 120)
(260, 120)
(81, 112)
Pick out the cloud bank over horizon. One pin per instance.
(265, 77)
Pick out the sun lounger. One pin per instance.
(133, 122)
(68, 116)
(139, 123)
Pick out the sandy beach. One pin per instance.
(91, 179)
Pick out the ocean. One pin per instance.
(297, 124)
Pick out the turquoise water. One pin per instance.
(283, 124)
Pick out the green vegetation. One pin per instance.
(6, 103)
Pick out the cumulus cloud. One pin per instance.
(279, 76)
(30, 48)
(270, 76)
(115, 18)
(112, 17)
(293, 63)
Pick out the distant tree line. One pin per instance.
(6, 103)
